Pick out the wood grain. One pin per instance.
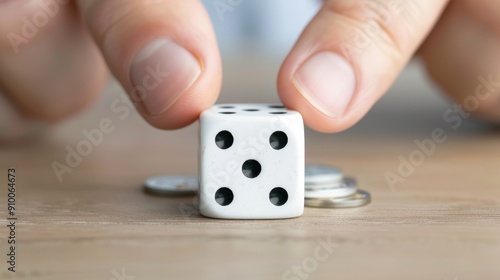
(443, 222)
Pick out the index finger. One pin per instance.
(349, 56)
(164, 54)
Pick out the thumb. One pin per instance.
(349, 55)
(163, 52)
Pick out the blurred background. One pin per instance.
(441, 222)
(269, 28)
(255, 37)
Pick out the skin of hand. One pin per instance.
(55, 56)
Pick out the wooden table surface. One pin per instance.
(442, 222)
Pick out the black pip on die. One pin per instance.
(251, 162)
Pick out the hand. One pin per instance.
(165, 55)
(353, 50)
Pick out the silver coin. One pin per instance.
(172, 185)
(332, 185)
(321, 174)
(344, 188)
(360, 198)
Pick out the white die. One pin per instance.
(251, 162)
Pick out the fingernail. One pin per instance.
(327, 81)
(160, 74)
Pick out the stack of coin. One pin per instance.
(326, 187)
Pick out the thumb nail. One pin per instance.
(327, 81)
(161, 73)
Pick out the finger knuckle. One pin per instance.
(105, 16)
(382, 23)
